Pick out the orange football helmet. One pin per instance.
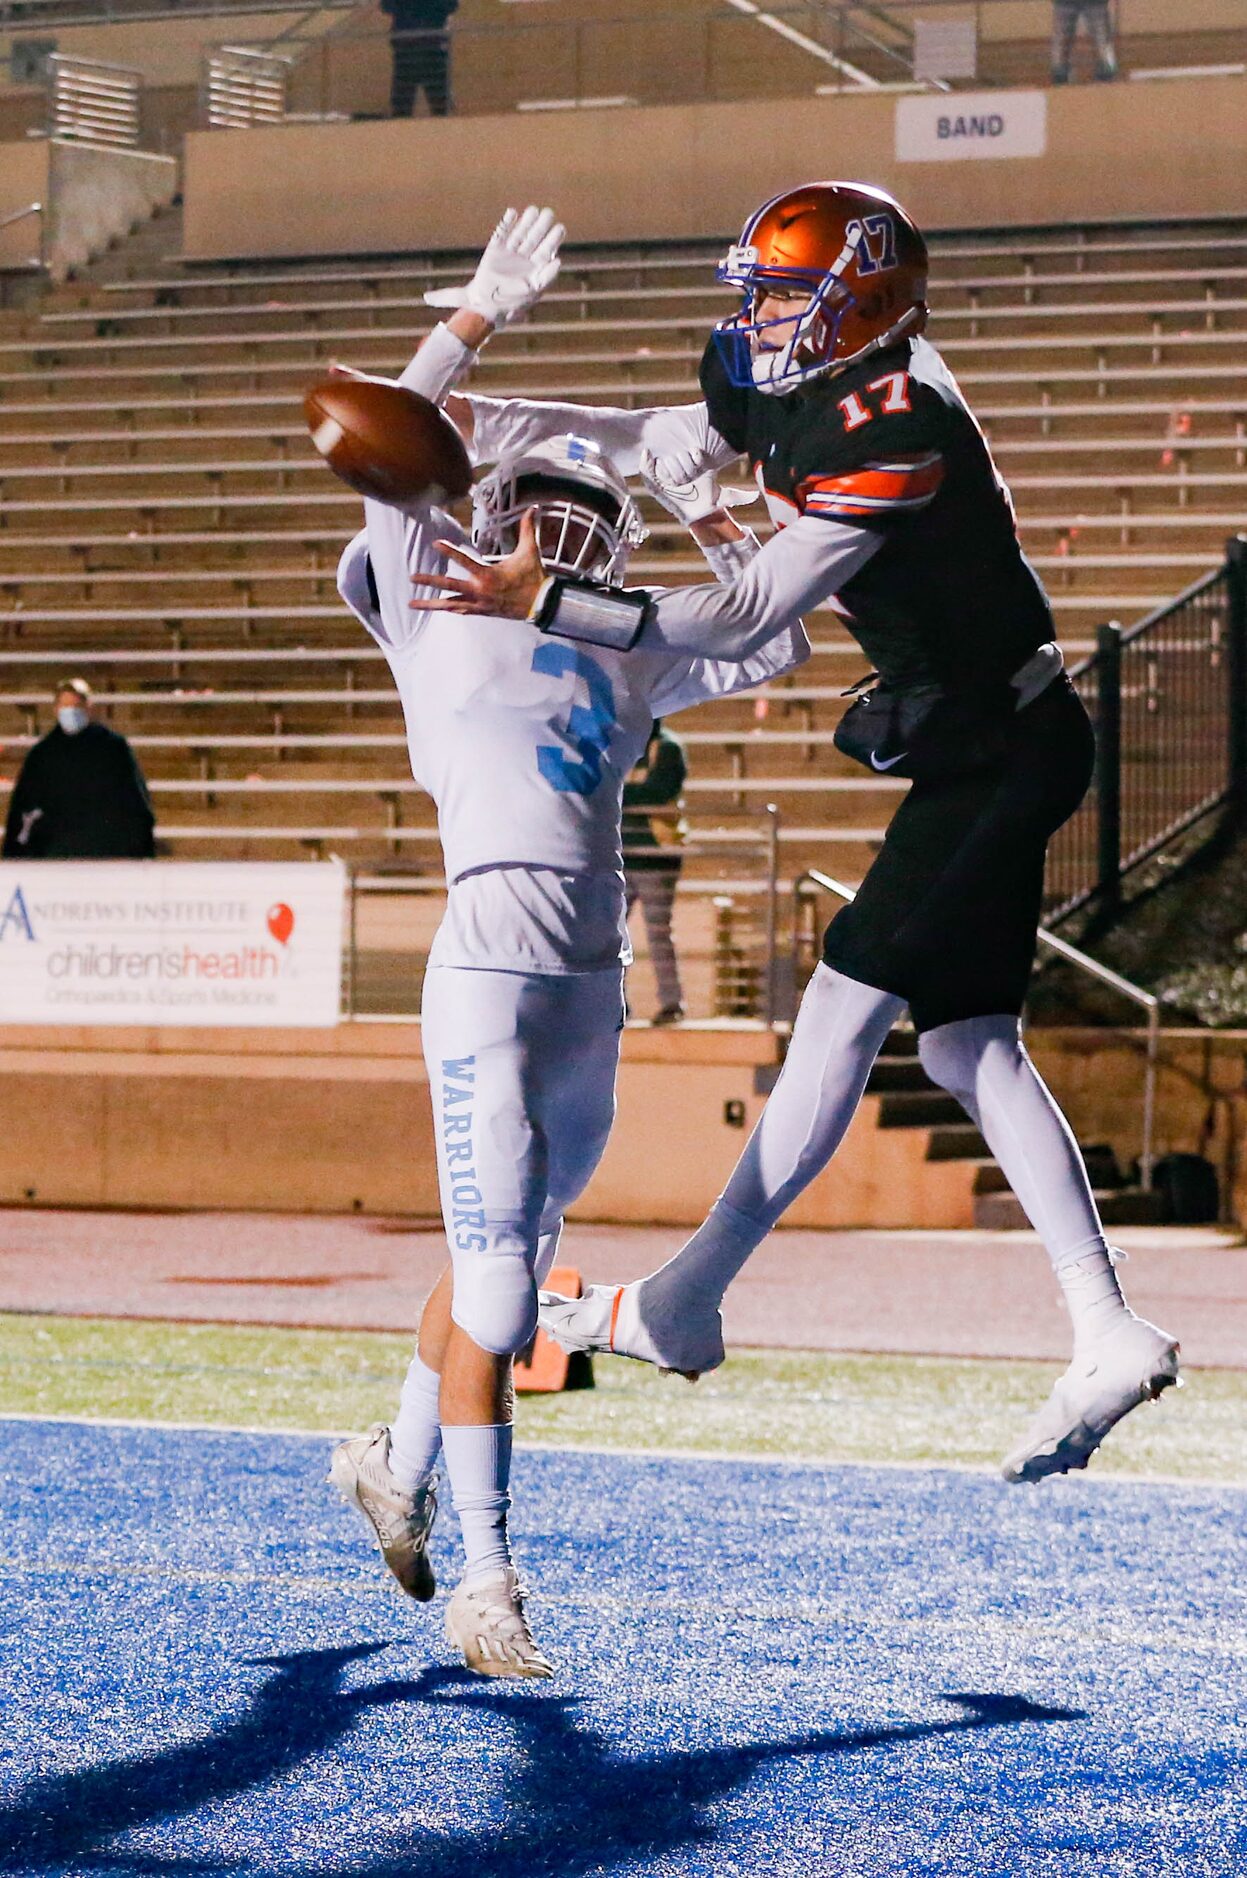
(858, 258)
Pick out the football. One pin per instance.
(385, 441)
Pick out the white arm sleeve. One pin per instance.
(438, 366)
(801, 567)
(503, 427)
(695, 681)
(398, 544)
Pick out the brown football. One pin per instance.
(386, 441)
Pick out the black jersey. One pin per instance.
(891, 446)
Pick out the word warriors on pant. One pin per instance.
(467, 1212)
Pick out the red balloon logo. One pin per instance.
(280, 921)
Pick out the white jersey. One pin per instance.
(522, 740)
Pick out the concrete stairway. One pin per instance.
(165, 525)
(911, 1100)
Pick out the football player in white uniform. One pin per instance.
(891, 509)
(523, 741)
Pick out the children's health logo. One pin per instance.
(280, 921)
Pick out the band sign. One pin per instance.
(971, 124)
(171, 942)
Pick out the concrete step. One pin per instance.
(957, 1141)
(1121, 1206)
(921, 1108)
(898, 1075)
(898, 1045)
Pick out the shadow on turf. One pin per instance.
(570, 1795)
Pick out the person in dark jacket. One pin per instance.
(420, 47)
(652, 833)
(81, 794)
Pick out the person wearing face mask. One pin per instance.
(80, 795)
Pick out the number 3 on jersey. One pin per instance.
(589, 726)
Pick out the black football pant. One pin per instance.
(421, 59)
(947, 915)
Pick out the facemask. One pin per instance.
(72, 718)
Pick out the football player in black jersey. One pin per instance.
(890, 509)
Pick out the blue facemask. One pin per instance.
(72, 718)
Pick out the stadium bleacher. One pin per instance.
(166, 527)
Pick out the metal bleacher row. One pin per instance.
(166, 528)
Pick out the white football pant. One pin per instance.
(522, 1077)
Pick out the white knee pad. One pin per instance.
(495, 1297)
(953, 1054)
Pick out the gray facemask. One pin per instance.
(72, 718)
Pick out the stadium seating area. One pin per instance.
(166, 528)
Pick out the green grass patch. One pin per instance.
(799, 1405)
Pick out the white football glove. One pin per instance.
(684, 442)
(693, 499)
(520, 261)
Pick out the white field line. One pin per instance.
(731, 1456)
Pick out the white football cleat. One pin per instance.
(1130, 1364)
(618, 1320)
(401, 1521)
(485, 1619)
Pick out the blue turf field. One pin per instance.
(763, 1670)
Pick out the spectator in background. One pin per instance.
(420, 47)
(81, 794)
(653, 831)
(1065, 17)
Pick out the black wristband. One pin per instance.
(590, 613)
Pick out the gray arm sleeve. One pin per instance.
(800, 568)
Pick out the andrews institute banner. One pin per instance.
(171, 942)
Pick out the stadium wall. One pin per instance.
(338, 1121)
(1159, 150)
(91, 196)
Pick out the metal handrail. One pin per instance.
(791, 19)
(1149, 1002)
(1128, 634)
(19, 215)
(31, 264)
(759, 836)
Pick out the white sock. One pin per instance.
(1092, 1293)
(478, 1461)
(704, 1266)
(839, 1032)
(416, 1434)
(982, 1061)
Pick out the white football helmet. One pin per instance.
(586, 520)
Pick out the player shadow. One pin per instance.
(300, 1710)
(575, 1806)
(571, 1791)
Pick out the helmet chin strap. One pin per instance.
(776, 372)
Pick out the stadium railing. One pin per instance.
(1169, 701)
(726, 927)
(20, 258)
(712, 52)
